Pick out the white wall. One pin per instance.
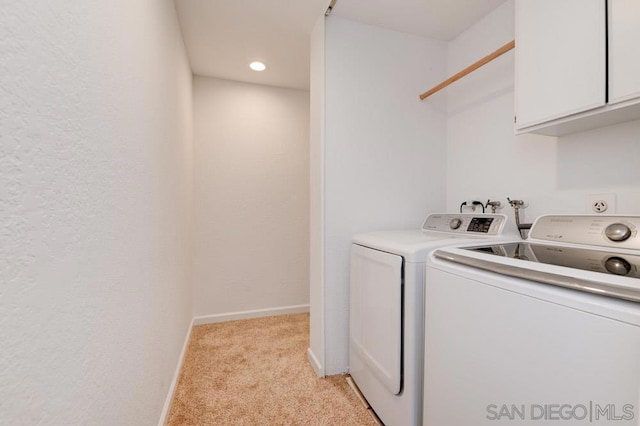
(383, 150)
(485, 159)
(251, 180)
(95, 210)
(316, 198)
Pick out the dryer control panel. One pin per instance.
(465, 223)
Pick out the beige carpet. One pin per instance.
(255, 372)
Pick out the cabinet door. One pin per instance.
(560, 58)
(624, 50)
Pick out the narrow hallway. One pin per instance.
(255, 372)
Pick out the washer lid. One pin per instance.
(496, 259)
(586, 259)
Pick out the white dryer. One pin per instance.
(540, 332)
(387, 308)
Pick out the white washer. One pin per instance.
(387, 309)
(540, 332)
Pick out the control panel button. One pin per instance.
(455, 223)
(617, 266)
(617, 232)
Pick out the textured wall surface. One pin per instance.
(251, 180)
(95, 219)
(384, 151)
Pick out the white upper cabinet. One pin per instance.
(624, 50)
(566, 80)
(560, 58)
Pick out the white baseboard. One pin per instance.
(258, 313)
(315, 364)
(174, 381)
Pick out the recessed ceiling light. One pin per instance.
(257, 66)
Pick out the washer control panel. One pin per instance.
(606, 231)
(466, 223)
(617, 232)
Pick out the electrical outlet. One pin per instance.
(600, 206)
(601, 203)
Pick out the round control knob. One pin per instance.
(455, 223)
(617, 232)
(617, 265)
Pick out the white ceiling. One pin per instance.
(439, 19)
(223, 36)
